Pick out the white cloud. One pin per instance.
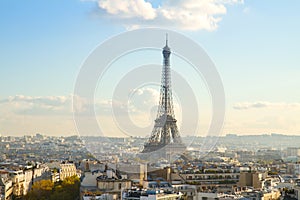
(144, 98)
(181, 14)
(264, 104)
(128, 8)
(21, 104)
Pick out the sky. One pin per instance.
(253, 44)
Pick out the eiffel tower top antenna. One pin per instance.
(166, 39)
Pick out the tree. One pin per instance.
(40, 190)
(68, 189)
(71, 186)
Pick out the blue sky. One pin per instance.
(254, 46)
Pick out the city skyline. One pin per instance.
(253, 45)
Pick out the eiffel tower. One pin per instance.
(165, 136)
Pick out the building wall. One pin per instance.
(6, 187)
(115, 185)
(211, 177)
(67, 170)
(297, 192)
(28, 174)
(207, 196)
(161, 197)
(274, 195)
(8, 190)
(245, 179)
(251, 179)
(90, 179)
(257, 180)
(18, 180)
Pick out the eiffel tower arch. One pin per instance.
(165, 140)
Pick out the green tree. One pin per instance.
(40, 190)
(67, 189)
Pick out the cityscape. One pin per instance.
(149, 100)
(267, 169)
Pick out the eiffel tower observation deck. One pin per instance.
(165, 137)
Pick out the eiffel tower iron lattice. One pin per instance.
(165, 133)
